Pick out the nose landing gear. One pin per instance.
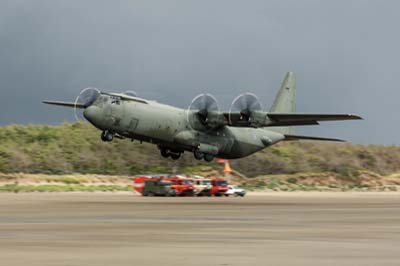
(107, 136)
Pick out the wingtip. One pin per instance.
(356, 117)
(337, 140)
(49, 102)
(64, 104)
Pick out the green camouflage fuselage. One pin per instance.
(168, 127)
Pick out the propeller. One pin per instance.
(204, 112)
(85, 99)
(246, 105)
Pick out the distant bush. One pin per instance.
(77, 148)
(292, 180)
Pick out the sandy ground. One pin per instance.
(262, 229)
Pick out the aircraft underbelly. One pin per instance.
(250, 140)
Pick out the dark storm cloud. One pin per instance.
(345, 55)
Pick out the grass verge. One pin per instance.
(63, 188)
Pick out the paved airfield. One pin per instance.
(265, 229)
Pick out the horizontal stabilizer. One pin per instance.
(65, 104)
(296, 137)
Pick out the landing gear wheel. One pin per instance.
(107, 136)
(198, 154)
(208, 157)
(175, 156)
(103, 136)
(165, 153)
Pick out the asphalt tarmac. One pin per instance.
(265, 229)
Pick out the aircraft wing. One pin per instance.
(126, 97)
(306, 119)
(285, 119)
(65, 104)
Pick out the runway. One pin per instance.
(261, 229)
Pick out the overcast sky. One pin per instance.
(345, 55)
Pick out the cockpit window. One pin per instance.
(101, 101)
(115, 100)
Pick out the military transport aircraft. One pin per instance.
(202, 128)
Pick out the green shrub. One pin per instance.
(77, 148)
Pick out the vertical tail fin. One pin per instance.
(285, 101)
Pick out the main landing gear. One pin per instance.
(107, 136)
(200, 156)
(168, 153)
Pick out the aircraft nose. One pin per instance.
(93, 114)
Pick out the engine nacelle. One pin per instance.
(203, 113)
(246, 110)
(257, 119)
(215, 120)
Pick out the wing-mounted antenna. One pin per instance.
(203, 113)
(246, 110)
